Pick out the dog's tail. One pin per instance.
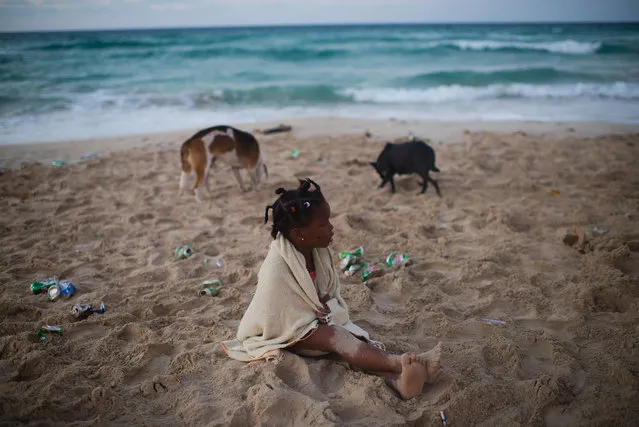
(185, 152)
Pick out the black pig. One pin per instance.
(406, 158)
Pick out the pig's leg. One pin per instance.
(435, 184)
(425, 183)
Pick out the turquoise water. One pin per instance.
(69, 85)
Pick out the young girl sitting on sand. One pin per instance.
(297, 304)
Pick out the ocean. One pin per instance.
(75, 85)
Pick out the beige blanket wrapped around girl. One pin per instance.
(282, 311)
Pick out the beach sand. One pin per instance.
(491, 247)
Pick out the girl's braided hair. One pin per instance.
(293, 208)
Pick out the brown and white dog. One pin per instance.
(237, 148)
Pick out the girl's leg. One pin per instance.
(406, 373)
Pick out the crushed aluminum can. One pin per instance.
(66, 288)
(63, 288)
(57, 163)
(218, 262)
(397, 259)
(294, 154)
(354, 268)
(48, 329)
(206, 291)
(369, 272)
(211, 287)
(82, 311)
(42, 286)
(185, 251)
(358, 252)
(350, 259)
(54, 292)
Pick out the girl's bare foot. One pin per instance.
(414, 374)
(431, 358)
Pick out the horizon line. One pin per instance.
(343, 24)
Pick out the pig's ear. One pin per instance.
(387, 147)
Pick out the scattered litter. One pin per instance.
(351, 262)
(184, 251)
(554, 192)
(89, 155)
(82, 311)
(348, 258)
(57, 163)
(218, 262)
(398, 259)
(63, 288)
(206, 260)
(211, 288)
(599, 231)
(294, 154)
(443, 417)
(321, 159)
(628, 215)
(177, 379)
(369, 272)
(354, 268)
(47, 329)
(493, 321)
(42, 286)
(411, 137)
(277, 129)
(212, 292)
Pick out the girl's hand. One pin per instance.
(323, 314)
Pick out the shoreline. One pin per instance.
(14, 155)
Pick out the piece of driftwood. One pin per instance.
(277, 129)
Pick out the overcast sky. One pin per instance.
(25, 15)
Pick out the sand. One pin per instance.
(492, 247)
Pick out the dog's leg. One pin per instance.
(183, 178)
(236, 172)
(206, 177)
(207, 184)
(436, 185)
(253, 173)
(200, 172)
(392, 182)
